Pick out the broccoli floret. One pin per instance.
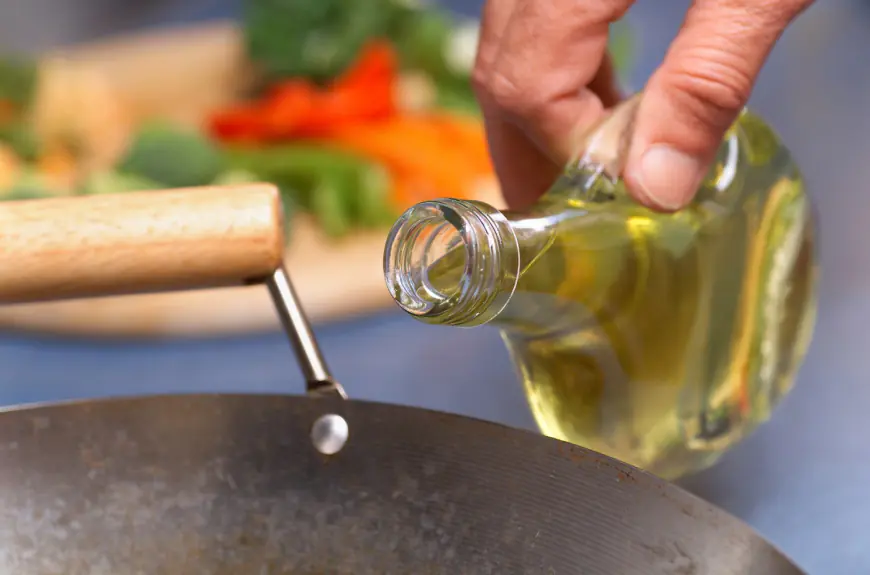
(111, 182)
(172, 156)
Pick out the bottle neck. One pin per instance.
(452, 262)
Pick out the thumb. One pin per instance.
(697, 93)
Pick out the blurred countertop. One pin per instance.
(803, 480)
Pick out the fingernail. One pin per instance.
(669, 178)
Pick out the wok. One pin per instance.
(260, 484)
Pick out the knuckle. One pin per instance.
(480, 80)
(511, 95)
(773, 14)
(710, 86)
(608, 11)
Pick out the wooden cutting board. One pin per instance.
(180, 73)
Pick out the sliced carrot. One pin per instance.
(422, 128)
(409, 189)
(468, 134)
(410, 145)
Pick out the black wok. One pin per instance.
(256, 484)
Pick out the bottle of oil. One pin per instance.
(658, 339)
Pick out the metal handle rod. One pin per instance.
(318, 378)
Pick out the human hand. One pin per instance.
(542, 70)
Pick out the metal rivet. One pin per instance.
(329, 433)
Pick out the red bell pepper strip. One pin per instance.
(296, 108)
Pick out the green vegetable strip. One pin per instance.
(18, 80)
(21, 138)
(339, 189)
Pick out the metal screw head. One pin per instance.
(329, 433)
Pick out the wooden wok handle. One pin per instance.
(139, 242)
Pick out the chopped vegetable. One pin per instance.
(374, 207)
(18, 81)
(433, 43)
(231, 177)
(26, 192)
(318, 39)
(172, 156)
(467, 134)
(58, 166)
(113, 182)
(297, 108)
(458, 97)
(238, 123)
(342, 200)
(336, 187)
(30, 185)
(78, 106)
(426, 149)
(423, 43)
(10, 166)
(291, 160)
(362, 108)
(376, 65)
(21, 137)
(8, 112)
(291, 108)
(365, 92)
(330, 203)
(17, 87)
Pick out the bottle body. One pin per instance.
(658, 339)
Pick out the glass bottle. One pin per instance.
(658, 339)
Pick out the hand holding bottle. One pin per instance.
(542, 69)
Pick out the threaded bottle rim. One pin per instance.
(451, 262)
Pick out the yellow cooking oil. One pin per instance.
(660, 339)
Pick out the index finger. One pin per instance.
(521, 184)
(537, 75)
(494, 19)
(550, 53)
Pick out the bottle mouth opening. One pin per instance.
(428, 258)
(452, 262)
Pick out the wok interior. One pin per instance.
(231, 484)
